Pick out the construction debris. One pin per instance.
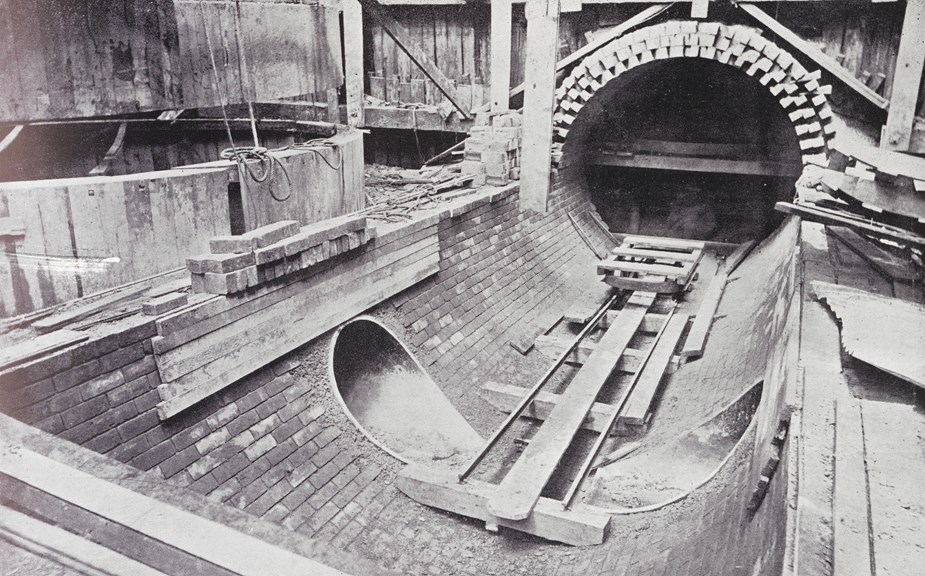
(884, 332)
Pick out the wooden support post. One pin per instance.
(540, 80)
(397, 33)
(897, 134)
(353, 61)
(500, 55)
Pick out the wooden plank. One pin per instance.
(887, 162)
(580, 526)
(614, 266)
(850, 522)
(56, 321)
(223, 546)
(697, 338)
(505, 397)
(656, 254)
(39, 346)
(879, 196)
(353, 61)
(833, 217)
(814, 54)
(907, 79)
(885, 262)
(67, 549)
(540, 79)
(640, 402)
(272, 339)
(397, 32)
(519, 491)
(428, 118)
(694, 164)
(500, 55)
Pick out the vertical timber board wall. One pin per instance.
(863, 37)
(76, 58)
(455, 37)
(320, 183)
(289, 50)
(85, 235)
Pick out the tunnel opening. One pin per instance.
(687, 148)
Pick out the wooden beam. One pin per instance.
(580, 526)
(836, 218)
(521, 488)
(223, 546)
(353, 61)
(692, 164)
(897, 134)
(505, 397)
(75, 552)
(500, 55)
(815, 54)
(397, 32)
(696, 339)
(883, 161)
(640, 402)
(728, 150)
(553, 346)
(540, 78)
(427, 119)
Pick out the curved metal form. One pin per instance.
(390, 398)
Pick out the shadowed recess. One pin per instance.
(392, 400)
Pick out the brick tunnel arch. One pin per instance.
(796, 89)
(777, 108)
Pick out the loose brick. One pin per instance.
(213, 441)
(220, 263)
(164, 304)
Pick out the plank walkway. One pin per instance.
(520, 490)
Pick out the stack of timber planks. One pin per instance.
(492, 152)
(216, 339)
(797, 90)
(660, 265)
(237, 263)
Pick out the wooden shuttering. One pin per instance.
(87, 58)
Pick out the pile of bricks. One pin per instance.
(238, 263)
(492, 151)
(797, 90)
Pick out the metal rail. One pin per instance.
(605, 433)
(531, 395)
